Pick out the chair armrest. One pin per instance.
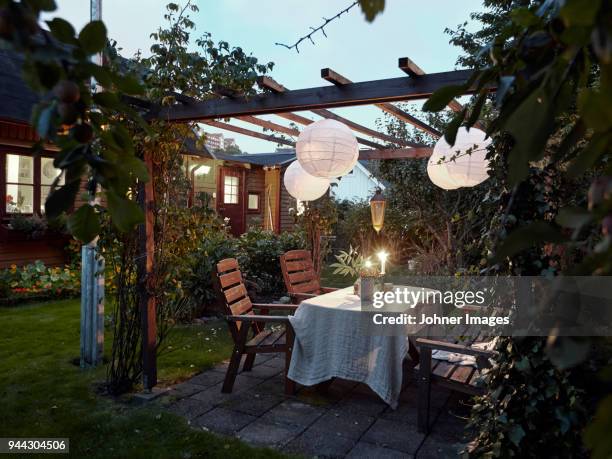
(276, 307)
(258, 318)
(452, 347)
(328, 289)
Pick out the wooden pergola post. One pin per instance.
(145, 263)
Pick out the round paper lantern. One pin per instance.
(452, 167)
(327, 149)
(303, 186)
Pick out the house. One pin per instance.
(358, 185)
(247, 189)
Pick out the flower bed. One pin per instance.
(38, 282)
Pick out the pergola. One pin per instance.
(280, 101)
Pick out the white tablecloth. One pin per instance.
(333, 340)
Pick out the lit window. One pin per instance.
(24, 190)
(19, 184)
(253, 201)
(230, 190)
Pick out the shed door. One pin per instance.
(230, 200)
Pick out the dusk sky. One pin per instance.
(355, 48)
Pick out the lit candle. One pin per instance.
(382, 256)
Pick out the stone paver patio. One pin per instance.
(349, 420)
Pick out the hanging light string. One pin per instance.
(315, 30)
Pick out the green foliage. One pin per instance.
(259, 254)
(440, 229)
(179, 272)
(371, 8)
(18, 284)
(198, 281)
(350, 263)
(531, 409)
(316, 222)
(552, 136)
(354, 228)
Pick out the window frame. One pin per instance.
(232, 187)
(36, 183)
(258, 209)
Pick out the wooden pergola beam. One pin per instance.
(269, 83)
(363, 93)
(296, 118)
(291, 131)
(396, 153)
(339, 80)
(305, 122)
(269, 125)
(240, 130)
(411, 69)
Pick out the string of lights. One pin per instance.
(321, 28)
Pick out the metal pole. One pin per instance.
(92, 269)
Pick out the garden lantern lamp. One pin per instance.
(377, 208)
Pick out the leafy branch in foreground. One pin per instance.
(87, 127)
(551, 62)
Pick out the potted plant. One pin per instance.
(352, 263)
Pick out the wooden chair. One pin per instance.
(461, 378)
(248, 330)
(300, 278)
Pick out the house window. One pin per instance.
(27, 183)
(48, 174)
(231, 186)
(253, 204)
(19, 184)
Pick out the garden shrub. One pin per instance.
(354, 228)
(259, 254)
(198, 283)
(37, 281)
(531, 408)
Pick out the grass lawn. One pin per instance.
(43, 394)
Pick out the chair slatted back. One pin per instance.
(232, 290)
(299, 273)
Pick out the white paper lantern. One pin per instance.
(453, 167)
(327, 149)
(303, 186)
